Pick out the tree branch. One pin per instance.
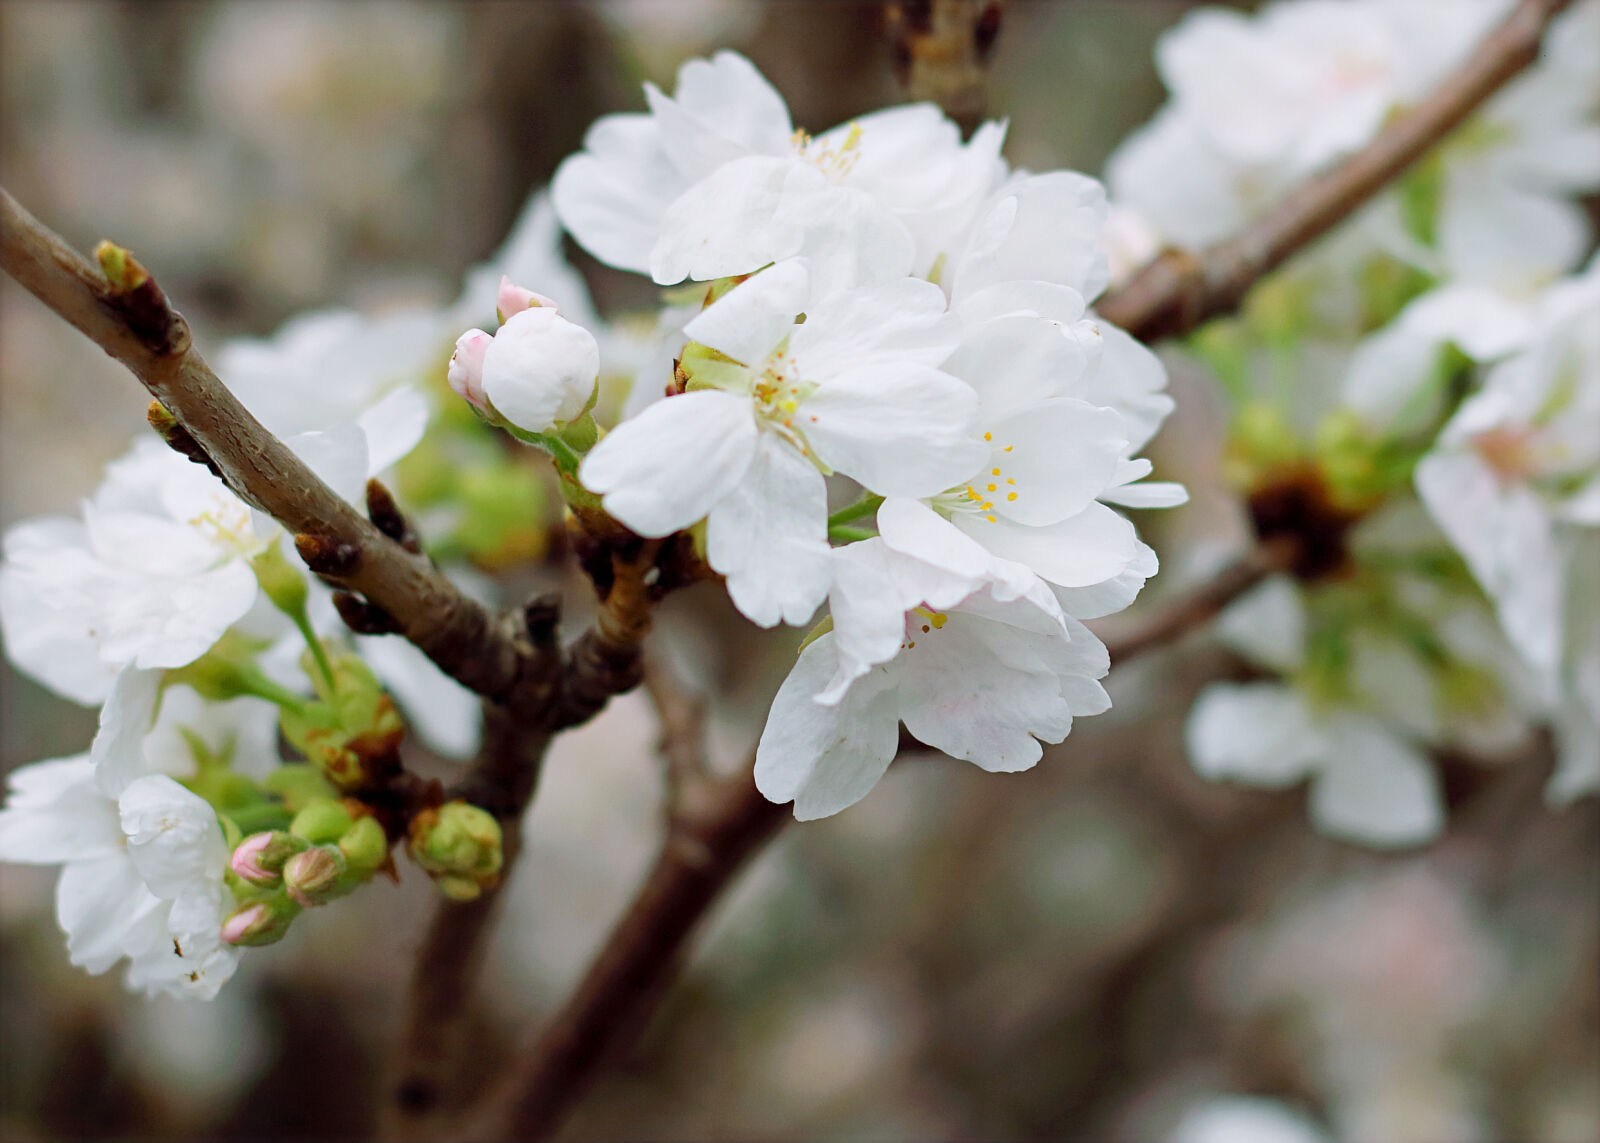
(1179, 291)
(1195, 608)
(132, 321)
(716, 827)
(942, 50)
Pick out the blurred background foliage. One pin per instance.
(1091, 950)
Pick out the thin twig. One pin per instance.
(136, 326)
(1179, 291)
(682, 712)
(1193, 609)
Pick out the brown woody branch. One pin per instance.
(132, 321)
(715, 827)
(942, 50)
(1179, 291)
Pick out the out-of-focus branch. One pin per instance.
(683, 725)
(1179, 291)
(712, 834)
(630, 576)
(941, 52)
(1193, 609)
(716, 827)
(132, 321)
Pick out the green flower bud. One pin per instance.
(321, 821)
(460, 846)
(353, 733)
(299, 784)
(365, 847)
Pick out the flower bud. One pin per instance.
(513, 299)
(259, 923)
(322, 820)
(460, 846)
(259, 858)
(466, 368)
(365, 846)
(540, 370)
(312, 876)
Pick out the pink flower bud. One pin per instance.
(259, 858)
(245, 925)
(245, 863)
(466, 368)
(513, 299)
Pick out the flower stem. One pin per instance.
(866, 506)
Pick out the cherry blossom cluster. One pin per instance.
(887, 317)
(1442, 346)
(176, 608)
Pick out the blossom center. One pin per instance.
(922, 621)
(981, 494)
(1507, 452)
(835, 162)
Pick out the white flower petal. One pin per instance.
(1094, 546)
(117, 751)
(749, 212)
(769, 536)
(1049, 461)
(668, 466)
(55, 813)
(393, 427)
(749, 321)
(824, 758)
(173, 836)
(1260, 733)
(1375, 789)
(613, 194)
(900, 430)
(105, 910)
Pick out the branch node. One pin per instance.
(541, 616)
(364, 618)
(386, 516)
(327, 557)
(177, 437)
(140, 302)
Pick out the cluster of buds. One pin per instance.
(330, 848)
(537, 373)
(352, 732)
(460, 846)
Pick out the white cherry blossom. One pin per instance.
(1034, 506)
(715, 181)
(141, 878)
(855, 389)
(1369, 784)
(982, 678)
(1519, 465)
